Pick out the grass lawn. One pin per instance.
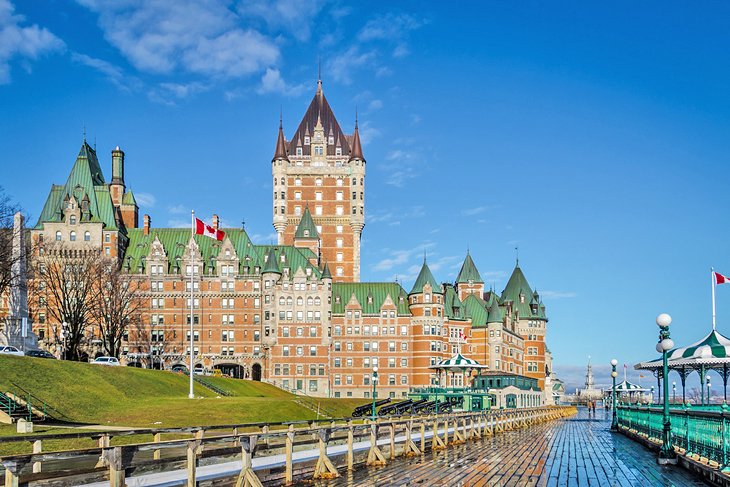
(127, 396)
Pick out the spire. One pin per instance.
(280, 152)
(495, 315)
(319, 77)
(425, 276)
(356, 147)
(306, 227)
(469, 272)
(272, 265)
(516, 285)
(326, 274)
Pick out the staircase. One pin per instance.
(13, 409)
(203, 382)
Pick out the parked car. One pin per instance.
(39, 354)
(106, 361)
(8, 350)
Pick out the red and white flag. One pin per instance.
(720, 279)
(462, 337)
(202, 228)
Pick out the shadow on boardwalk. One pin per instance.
(578, 451)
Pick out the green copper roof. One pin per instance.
(475, 309)
(306, 228)
(516, 285)
(326, 274)
(370, 295)
(495, 314)
(85, 181)
(272, 263)
(469, 272)
(452, 304)
(424, 277)
(129, 198)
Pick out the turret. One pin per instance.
(469, 281)
(307, 236)
(118, 166)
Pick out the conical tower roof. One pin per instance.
(319, 110)
(326, 274)
(516, 285)
(425, 276)
(495, 314)
(280, 152)
(272, 263)
(469, 272)
(306, 227)
(356, 152)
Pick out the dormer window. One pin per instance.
(228, 252)
(338, 151)
(283, 258)
(306, 233)
(72, 220)
(331, 140)
(299, 151)
(318, 151)
(306, 140)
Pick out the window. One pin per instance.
(107, 238)
(338, 196)
(313, 351)
(339, 211)
(285, 351)
(297, 195)
(306, 140)
(339, 228)
(72, 220)
(318, 196)
(87, 236)
(318, 182)
(297, 182)
(72, 236)
(299, 151)
(318, 210)
(340, 271)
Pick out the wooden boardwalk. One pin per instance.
(578, 451)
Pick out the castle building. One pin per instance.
(295, 313)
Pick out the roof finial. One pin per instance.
(319, 76)
(84, 133)
(243, 224)
(355, 116)
(424, 256)
(281, 116)
(517, 256)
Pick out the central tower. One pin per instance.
(319, 176)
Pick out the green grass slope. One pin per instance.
(127, 396)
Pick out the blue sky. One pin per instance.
(594, 137)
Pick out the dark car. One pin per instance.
(38, 354)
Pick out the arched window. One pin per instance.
(310, 301)
(275, 181)
(72, 220)
(282, 181)
(289, 301)
(87, 236)
(282, 301)
(72, 236)
(317, 301)
(58, 236)
(300, 301)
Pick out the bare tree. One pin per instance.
(117, 303)
(7, 211)
(65, 283)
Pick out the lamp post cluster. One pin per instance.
(665, 344)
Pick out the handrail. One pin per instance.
(58, 414)
(443, 429)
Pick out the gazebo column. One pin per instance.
(683, 379)
(702, 385)
(658, 386)
(724, 382)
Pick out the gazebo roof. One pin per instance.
(627, 386)
(458, 362)
(711, 351)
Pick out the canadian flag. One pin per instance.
(202, 228)
(462, 337)
(720, 279)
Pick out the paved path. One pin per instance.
(578, 451)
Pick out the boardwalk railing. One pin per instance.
(275, 451)
(695, 432)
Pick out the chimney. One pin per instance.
(118, 166)
(216, 221)
(147, 224)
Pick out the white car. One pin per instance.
(8, 350)
(106, 361)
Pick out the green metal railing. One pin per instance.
(704, 432)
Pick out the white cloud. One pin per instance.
(202, 37)
(398, 257)
(375, 105)
(264, 239)
(342, 66)
(146, 199)
(293, 16)
(168, 93)
(24, 42)
(389, 27)
(177, 209)
(113, 73)
(367, 132)
(478, 210)
(272, 82)
(557, 294)
(176, 223)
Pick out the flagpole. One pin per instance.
(712, 281)
(191, 395)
